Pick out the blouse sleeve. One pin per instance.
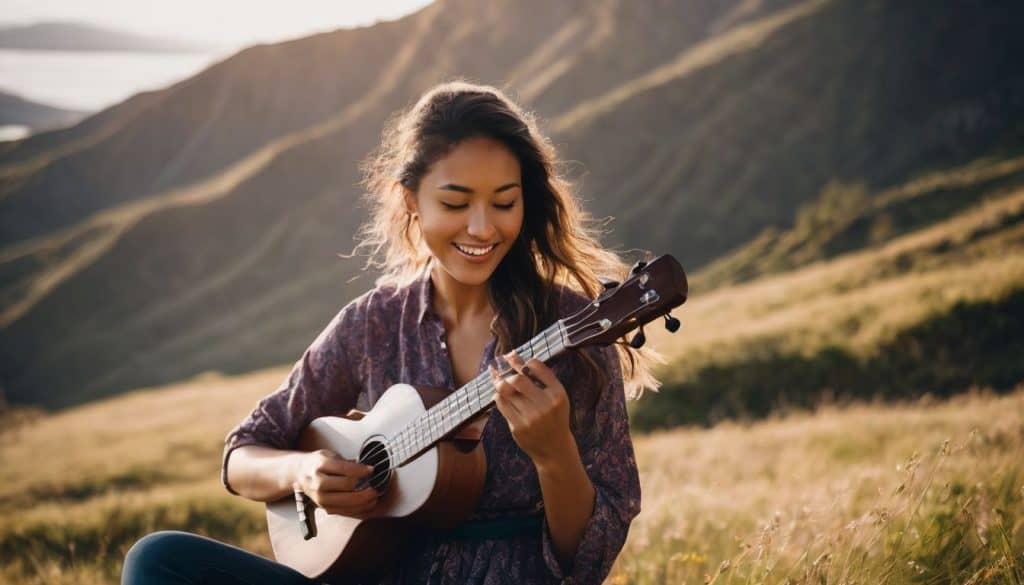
(607, 454)
(322, 382)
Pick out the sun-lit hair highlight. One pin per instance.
(559, 243)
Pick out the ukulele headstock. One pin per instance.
(652, 290)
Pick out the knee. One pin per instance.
(150, 555)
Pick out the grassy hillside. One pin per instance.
(196, 229)
(932, 492)
(934, 303)
(929, 493)
(847, 218)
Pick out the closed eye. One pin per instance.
(451, 206)
(505, 206)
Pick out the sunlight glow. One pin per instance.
(231, 23)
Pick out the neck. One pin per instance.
(457, 302)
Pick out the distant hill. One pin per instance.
(22, 112)
(917, 290)
(195, 228)
(74, 36)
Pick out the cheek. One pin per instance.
(512, 224)
(439, 226)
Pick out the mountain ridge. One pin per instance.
(170, 296)
(80, 36)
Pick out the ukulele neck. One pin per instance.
(470, 400)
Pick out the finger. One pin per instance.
(541, 371)
(333, 464)
(536, 398)
(524, 369)
(348, 500)
(509, 411)
(338, 483)
(360, 512)
(519, 396)
(502, 384)
(516, 380)
(503, 391)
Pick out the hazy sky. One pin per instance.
(232, 22)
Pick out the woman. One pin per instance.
(481, 245)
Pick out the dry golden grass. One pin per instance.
(860, 495)
(770, 498)
(858, 300)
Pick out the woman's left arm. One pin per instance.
(591, 494)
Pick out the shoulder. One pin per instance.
(371, 309)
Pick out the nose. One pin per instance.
(480, 225)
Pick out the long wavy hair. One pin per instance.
(558, 244)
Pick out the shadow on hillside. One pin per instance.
(974, 344)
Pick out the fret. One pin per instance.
(486, 393)
(474, 397)
(397, 443)
(547, 344)
(470, 396)
(480, 391)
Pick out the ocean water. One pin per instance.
(13, 131)
(90, 81)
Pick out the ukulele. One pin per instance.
(424, 444)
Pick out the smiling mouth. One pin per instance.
(474, 250)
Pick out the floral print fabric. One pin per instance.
(393, 335)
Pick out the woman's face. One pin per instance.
(470, 206)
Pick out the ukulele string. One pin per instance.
(551, 333)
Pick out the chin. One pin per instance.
(466, 273)
(471, 276)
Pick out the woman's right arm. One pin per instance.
(266, 474)
(260, 461)
(263, 473)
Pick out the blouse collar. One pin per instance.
(423, 290)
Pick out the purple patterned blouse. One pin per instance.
(391, 335)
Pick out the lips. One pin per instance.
(474, 250)
(474, 253)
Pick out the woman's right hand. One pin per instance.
(330, 481)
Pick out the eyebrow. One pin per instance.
(464, 189)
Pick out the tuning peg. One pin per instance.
(637, 267)
(671, 323)
(638, 340)
(609, 284)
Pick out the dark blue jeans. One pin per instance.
(170, 556)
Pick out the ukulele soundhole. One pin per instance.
(376, 454)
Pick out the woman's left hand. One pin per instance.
(536, 406)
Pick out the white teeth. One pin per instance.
(473, 251)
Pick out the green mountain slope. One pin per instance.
(933, 304)
(196, 228)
